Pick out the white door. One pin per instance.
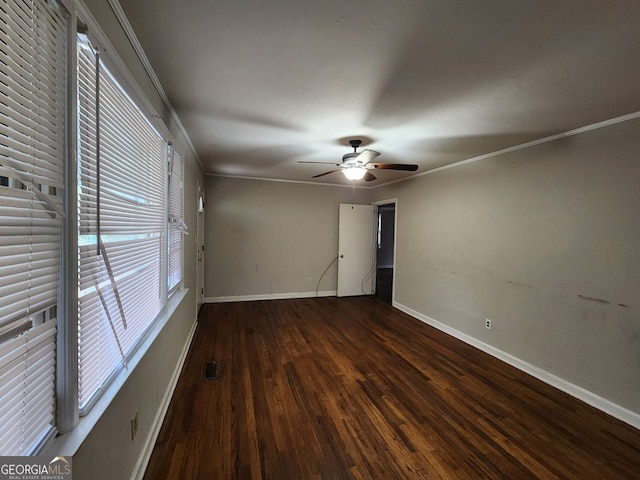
(356, 260)
(200, 250)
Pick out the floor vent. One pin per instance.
(210, 370)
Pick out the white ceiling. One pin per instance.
(260, 85)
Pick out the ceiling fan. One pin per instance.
(356, 165)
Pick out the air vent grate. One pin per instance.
(210, 370)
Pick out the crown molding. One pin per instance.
(533, 143)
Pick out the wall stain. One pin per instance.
(623, 305)
(593, 299)
(518, 284)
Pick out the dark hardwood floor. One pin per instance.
(351, 388)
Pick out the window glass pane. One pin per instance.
(176, 217)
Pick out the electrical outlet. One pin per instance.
(310, 280)
(487, 324)
(134, 425)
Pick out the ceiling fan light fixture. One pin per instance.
(354, 173)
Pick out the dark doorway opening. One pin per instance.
(385, 252)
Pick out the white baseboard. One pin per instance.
(145, 455)
(269, 296)
(621, 413)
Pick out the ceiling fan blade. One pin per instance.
(369, 177)
(366, 156)
(320, 163)
(325, 173)
(394, 166)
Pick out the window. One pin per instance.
(33, 83)
(176, 217)
(130, 224)
(122, 223)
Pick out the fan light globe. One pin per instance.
(354, 173)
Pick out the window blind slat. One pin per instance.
(44, 138)
(33, 105)
(22, 46)
(23, 97)
(27, 371)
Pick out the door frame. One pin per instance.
(200, 194)
(376, 204)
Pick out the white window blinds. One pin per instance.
(33, 82)
(122, 220)
(177, 227)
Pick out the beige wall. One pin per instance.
(546, 243)
(267, 238)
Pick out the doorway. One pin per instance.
(385, 251)
(200, 248)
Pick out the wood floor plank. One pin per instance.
(351, 388)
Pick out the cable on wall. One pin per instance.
(325, 271)
(368, 276)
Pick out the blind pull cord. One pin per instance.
(112, 279)
(113, 327)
